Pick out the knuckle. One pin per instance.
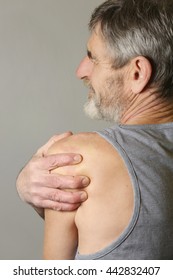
(39, 151)
(69, 182)
(62, 182)
(31, 170)
(51, 161)
(34, 182)
(55, 196)
(76, 182)
(54, 138)
(55, 181)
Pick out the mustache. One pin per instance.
(88, 84)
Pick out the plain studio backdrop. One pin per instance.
(41, 45)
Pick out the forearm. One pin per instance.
(60, 235)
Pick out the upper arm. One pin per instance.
(110, 199)
(60, 235)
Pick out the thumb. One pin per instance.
(43, 150)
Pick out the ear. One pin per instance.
(141, 71)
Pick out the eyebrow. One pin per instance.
(89, 54)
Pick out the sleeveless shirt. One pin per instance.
(147, 151)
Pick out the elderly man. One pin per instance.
(129, 210)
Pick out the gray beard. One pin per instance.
(94, 111)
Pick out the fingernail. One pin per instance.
(77, 158)
(85, 181)
(83, 196)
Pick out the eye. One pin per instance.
(91, 57)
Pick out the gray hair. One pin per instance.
(139, 27)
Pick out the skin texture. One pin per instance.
(110, 198)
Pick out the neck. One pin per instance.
(147, 108)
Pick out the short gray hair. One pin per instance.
(139, 27)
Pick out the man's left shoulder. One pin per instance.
(84, 138)
(74, 142)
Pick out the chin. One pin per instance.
(91, 110)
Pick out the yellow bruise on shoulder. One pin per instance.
(85, 144)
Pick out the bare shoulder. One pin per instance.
(110, 193)
(77, 142)
(97, 153)
(87, 143)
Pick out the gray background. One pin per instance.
(41, 44)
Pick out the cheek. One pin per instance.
(101, 80)
(97, 78)
(97, 73)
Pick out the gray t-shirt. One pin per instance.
(147, 151)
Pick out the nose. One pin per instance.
(84, 69)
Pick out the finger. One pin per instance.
(43, 150)
(63, 196)
(59, 199)
(60, 206)
(53, 161)
(62, 135)
(63, 181)
(65, 206)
